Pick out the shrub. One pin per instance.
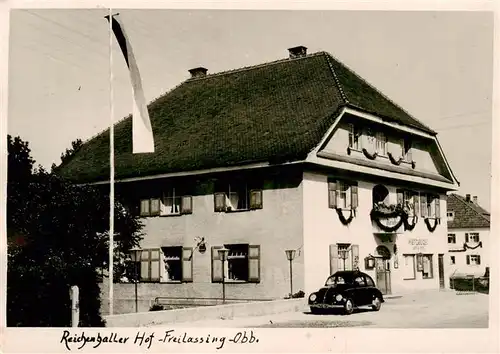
(156, 307)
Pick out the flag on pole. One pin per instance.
(142, 133)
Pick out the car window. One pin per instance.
(360, 281)
(369, 281)
(336, 279)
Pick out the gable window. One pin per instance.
(452, 238)
(237, 196)
(242, 264)
(450, 215)
(452, 260)
(472, 237)
(381, 143)
(473, 259)
(342, 194)
(354, 135)
(407, 150)
(409, 200)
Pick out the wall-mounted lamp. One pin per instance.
(369, 262)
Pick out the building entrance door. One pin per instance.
(383, 274)
(441, 271)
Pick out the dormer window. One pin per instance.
(354, 134)
(381, 143)
(407, 147)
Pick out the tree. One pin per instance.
(75, 146)
(58, 236)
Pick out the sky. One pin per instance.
(437, 65)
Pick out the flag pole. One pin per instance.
(111, 166)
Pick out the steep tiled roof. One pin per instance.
(467, 214)
(271, 112)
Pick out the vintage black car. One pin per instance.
(346, 290)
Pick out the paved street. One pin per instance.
(430, 309)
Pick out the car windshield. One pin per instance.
(339, 279)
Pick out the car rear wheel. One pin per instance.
(348, 307)
(376, 303)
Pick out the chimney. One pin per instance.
(474, 199)
(297, 52)
(198, 72)
(467, 197)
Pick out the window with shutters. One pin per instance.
(430, 205)
(172, 263)
(342, 194)
(427, 271)
(242, 264)
(344, 256)
(409, 199)
(473, 237)
(408, 267)
(474, 259)
(175, 203)
(171, 203)
(354, 137)
(237, 196)
(452, 238)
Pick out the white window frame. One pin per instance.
(474, 237)
(474, 259)
(171, 195)
(409, 200)
(343, 195)
(453, 237)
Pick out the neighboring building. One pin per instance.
(300, 153)
(468, 236)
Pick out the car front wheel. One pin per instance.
(376, 304)
(348, 307)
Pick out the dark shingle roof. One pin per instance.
(271, 112)
(467, 214)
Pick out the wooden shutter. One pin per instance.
(423, 205)
(354, 196)
(468, 259)
(219, 202)
(155, 206)
(466, 237)
(437, 206)
(216, 265)
(415, 204)
(144, 270)
(254, 263)
(334, 258)
(144, 207)
(155, 264)
(400, 196)
(187, 264)
(332, 194)
(256, 199)
(187, 204)
(355, 257)
(478, 259)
